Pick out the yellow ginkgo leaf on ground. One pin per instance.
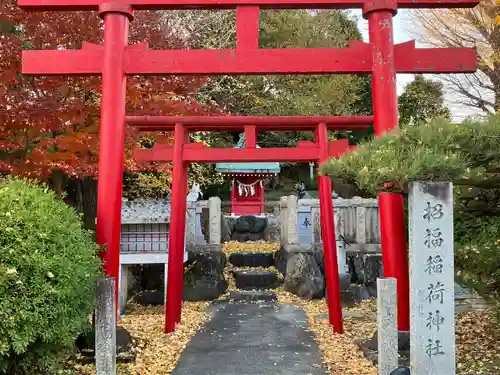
(250, 246)
(477, 333)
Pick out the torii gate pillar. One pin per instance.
(173, 302)
(112, 134)
(385, 118)
(328, 235)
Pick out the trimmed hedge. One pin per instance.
(48, 269)
(466, 154)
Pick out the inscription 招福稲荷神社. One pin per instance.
(434, 239)
(432, 279)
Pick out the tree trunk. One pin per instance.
(57, 182)
(86, 198)
(497, 96)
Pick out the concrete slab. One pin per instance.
(253, 339)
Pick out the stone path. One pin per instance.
(252, 339)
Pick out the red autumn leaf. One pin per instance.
(51, 124)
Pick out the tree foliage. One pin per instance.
(156, 184)
(280, 95)
(466, 154)
(49, 127)
(474, 27)
(48, 270)
(422, 100)
(146, 185)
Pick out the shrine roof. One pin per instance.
(263, 167)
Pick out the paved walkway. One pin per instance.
(252, 339)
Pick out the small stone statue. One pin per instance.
(334, 194)
(194, 193)
(301, 191)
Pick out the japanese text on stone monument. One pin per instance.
(431, 279)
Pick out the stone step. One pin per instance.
(149, 298)
(248, 259)
(253, 295)
(255, 279)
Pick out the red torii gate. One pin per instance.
(116, 59)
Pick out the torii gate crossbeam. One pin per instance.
(42, 5)
(116, 59)
(240, 123)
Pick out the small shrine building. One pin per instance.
(247, 183)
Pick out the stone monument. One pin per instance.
(432, 284)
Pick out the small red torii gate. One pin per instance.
(116, 59)
(181, 153)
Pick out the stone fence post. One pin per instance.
(191, 223)
(194, 234)
(361, 222)
(198, 232)
(214, 215)
(316, 222)
(283, 220)
(305, 220)
(387, 330)
(291, 218)
(105, 327)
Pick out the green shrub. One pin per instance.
(477, 255)
(466, 154)
(48, 268)
(437, 151)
